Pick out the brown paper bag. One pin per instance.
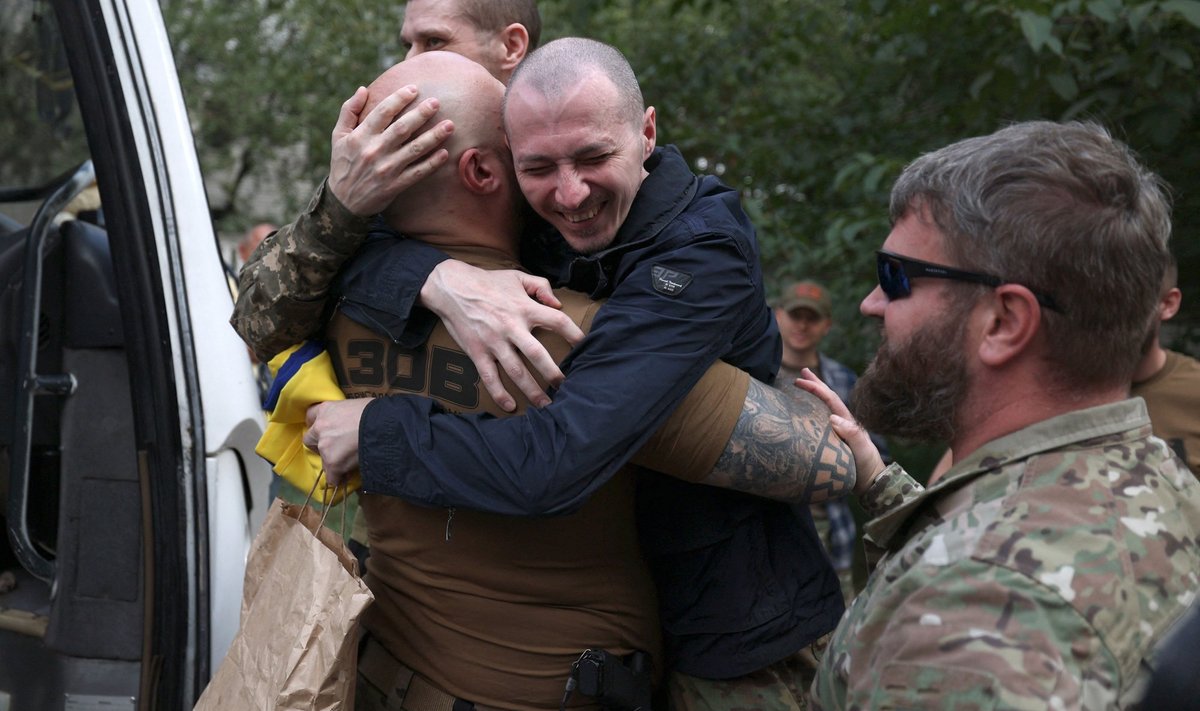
(297, 645)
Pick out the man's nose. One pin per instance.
(874, 303)
(572, 190)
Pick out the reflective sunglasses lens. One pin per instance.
(892, 278)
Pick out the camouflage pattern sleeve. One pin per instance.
(965, 636)
(1039, 573)
(892, 487)
(283, 287)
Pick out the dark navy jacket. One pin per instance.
(742, 583)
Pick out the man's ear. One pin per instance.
(514, 40)
(479, 171)
(1012, 318)
(1168, 306)
(649, 133)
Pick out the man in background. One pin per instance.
(253, 237)
(1169, 382)
(375, 156)
(804, 313)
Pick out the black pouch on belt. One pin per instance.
(621, 684)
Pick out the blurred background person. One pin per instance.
(1169, 382)
(804, 313)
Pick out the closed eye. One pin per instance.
(536, 170)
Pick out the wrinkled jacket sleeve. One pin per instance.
(642, 355)
(285, 286)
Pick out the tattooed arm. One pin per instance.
(783, 447)
(776, 445)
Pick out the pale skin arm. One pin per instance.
(867, 461)
(783, 447)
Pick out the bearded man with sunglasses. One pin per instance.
(1016, 287)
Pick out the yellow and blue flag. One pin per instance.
(303, 377)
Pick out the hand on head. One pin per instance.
(378, 154)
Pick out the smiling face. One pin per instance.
(579, 157)
(802, 328)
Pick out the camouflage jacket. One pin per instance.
(284, 286)
(1038, 573)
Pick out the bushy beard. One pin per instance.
(915, 388)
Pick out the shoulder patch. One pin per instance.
(669, 282)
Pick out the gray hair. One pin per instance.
(560, 65)
(1066, 210)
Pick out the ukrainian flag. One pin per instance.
(303, 377)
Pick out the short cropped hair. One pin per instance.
(495, 15)
(1066, 210)
(563, 63)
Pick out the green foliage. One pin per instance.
(40, 128)
(264, 81)
(810, 107)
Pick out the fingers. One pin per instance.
(557, 322)
(515, 367)
(350, 113)
(389, 108)
(539, 289)
(867, 461)
(500, 356)
(332, 479)
(809, 382)
(312, 435)
(376, 157)
(490, 377)
(541, 360)
(399, 132)
(845, 428)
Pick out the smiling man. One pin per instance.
(580, 150)
(743, 584)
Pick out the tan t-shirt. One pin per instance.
(494, 609)
(1172, 398)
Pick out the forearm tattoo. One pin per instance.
(783, 447)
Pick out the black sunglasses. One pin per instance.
(896, 272)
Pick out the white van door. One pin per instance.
(129, 409)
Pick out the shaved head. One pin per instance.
(469, 96)
(472, 198)
(562, 65)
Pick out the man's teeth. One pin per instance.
(582, 216)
